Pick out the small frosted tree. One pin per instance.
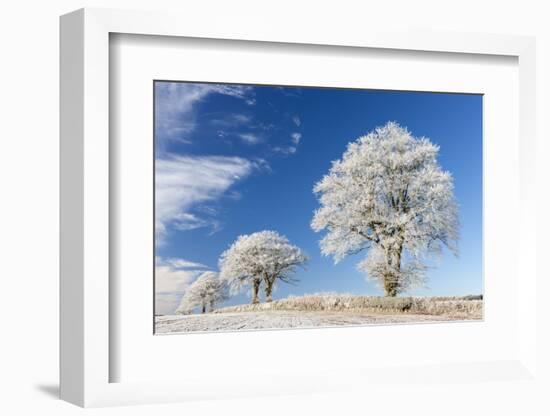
(207, 291)
(264, 256)
(187, 304)
(389, 196)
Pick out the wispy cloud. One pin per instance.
(232, 120)
(296, 137)
(178, 263)
(172, 277)
(286, 150)
(250, 138)
(240, 126)
(292, 147)
(175, 114)
(262, 165)
(184, 182)
(297, 121)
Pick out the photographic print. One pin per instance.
(281, 207)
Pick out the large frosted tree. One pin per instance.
(389, 196)
(263, 257)
(207, 291)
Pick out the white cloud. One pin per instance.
(179, 263)
(240, 118)
(183, 182)
(167, 303)
(297, 120)
(172, 277)
(296, 137)
(233, 124)
(232, 120)
(175, 104)
(288, 150)
(169, 279)
(250, 138)
(291, 148)
(262, 165)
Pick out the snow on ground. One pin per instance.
(279, 320)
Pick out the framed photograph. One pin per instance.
(238, 183)
(266, 213)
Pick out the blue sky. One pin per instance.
(235, 159)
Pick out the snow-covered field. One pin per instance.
(232, 321)
(324, 310)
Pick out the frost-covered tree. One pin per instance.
(207, 291)
(187, 304)
(264, 256)
(388, 195)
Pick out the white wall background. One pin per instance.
(29, 204)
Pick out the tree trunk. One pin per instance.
(255, 289)
(390, 285)
(269, 289)
(393, 275)
(211, 306)
(204, 308)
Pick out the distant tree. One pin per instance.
(388, 195)
(264, 256)
(186, 305)
(207, 291)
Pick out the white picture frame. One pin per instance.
(86, 265)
